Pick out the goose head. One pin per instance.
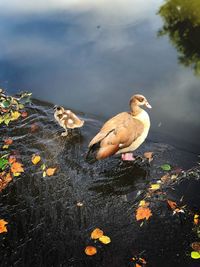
(138, 101)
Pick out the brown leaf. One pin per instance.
(5, 178)
(8, 141)
(172, 204)
(50, 171)
(24, 114)
(143, 213)
(3, 226)
(165, 178)
(90, 250)
(149, 156)
(34, 127)
(196, 246)
(96, 233)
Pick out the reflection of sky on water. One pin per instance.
(94, 55)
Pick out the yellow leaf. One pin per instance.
(44, 174)
(5, 147)
(35, 159)
(96, 233)
(196, 219)
(3, 226)
(154, 186)
(15, 115)
(105, 239)
(90, 250)
(50, 171)
(143, 203)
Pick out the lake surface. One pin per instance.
(91, 57)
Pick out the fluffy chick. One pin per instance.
(67, 119)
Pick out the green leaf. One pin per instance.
(5, 104)
(3, 163)
(195, 255)
(166, 167)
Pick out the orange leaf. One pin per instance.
(17, 167)
(96, 233)
(143, 213)
(90, 250)
(50, 171)
(24, 114)
(149, 156)
(8, 141)
(5, 178)
(2, 226)
(138, 265)
(172, 204)
(12, 159)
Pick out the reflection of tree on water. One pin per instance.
(182, 24)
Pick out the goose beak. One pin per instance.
(148, 105)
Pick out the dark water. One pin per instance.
(92, 57)
(47, 228)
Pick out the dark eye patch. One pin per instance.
(141, 99)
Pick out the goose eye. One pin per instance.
(141, 99)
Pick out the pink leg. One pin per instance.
(128, 156)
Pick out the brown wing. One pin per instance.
(118, 132)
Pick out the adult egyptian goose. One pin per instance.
(67, 119)
(123, 133)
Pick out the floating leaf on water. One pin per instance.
(43, 167)
(105, 239)
(96, 233)
(155, 186)
(90, 250)
(149, 156)
(166, 167)
(196, 246)
(16, 168)
(5, 146)
(195, 255)
(196, 219)
(34, 127)
(143, 203)
(3, 163)
(3, 228)
(50, 171)
(143, 213)
(172, 204)
(35, 159)
(44, 174)
(5, 178)
(24, 114)
(8, 141)
(5, 104)
(15, 115)
(79, 204)
(165, 178)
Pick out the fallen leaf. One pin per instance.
(8, 141)
(5, 178)
(166, 167)
(79, 204)
(172, 204)
(143, 213)
(3, 163)
(138, 265)
(3, 228)
(96, 233)
(15, 115)
(34, 127)
(50, 171)
(24, 114)
(90, 250)
(154, 187)
(16, 168)
(165, 178)
(105, 239)
(12, 159)
(149, 156)
(44, 174)
(196, 246)
(5, 147)
(143, 203)
(196, 219)
(35, 159)
(195, 255)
